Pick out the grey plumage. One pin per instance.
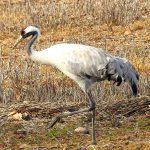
(93, 65)
(85, 65)
(120, 70)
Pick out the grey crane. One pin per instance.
(83, 64)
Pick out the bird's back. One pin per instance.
(77, 58)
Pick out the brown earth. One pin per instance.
(117, 127)
(123, 124)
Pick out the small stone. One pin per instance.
(82, 130)
(15, 116)
(25, 102)
(20, 132)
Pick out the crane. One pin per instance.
(83, 64)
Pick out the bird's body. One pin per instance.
(85, 65)
(75, 60)
(64, 56)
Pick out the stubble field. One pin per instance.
(120, 27)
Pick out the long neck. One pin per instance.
(34, 55)
(30, 43)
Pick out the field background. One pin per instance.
(121, 27)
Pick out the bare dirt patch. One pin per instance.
(116, 128)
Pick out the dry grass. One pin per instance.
(51, 13)
(120, 26)
(77, 22)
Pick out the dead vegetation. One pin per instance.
(126, 123)
(121, 27)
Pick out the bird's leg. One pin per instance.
(66, 114)
(91, 108)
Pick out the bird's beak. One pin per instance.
(18, 41)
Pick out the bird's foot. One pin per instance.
(94, 143)
(54, 121)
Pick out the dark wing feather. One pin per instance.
(119, 70)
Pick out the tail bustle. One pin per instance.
(119, 70)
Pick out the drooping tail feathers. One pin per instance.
(119, 70)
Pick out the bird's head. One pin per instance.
(27, 32)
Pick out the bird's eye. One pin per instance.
(22, 32)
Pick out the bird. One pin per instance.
(85, 65)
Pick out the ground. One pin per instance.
(116, 128)
(31, 94)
